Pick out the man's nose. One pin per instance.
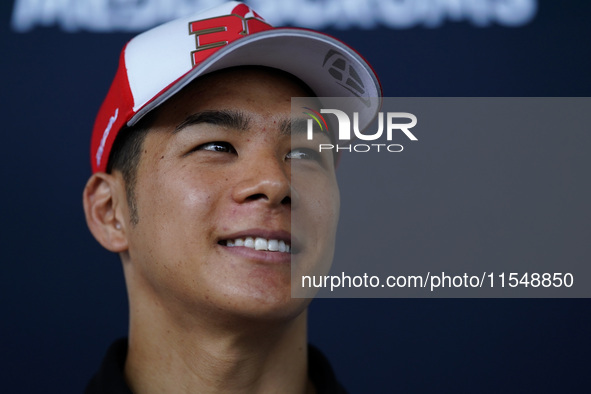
(264, 178)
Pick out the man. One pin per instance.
(193, 164)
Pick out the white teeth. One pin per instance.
(258, 243)
(249, 242)
(273, 245)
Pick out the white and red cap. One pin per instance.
(158, 63)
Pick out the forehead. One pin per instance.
(262, 91)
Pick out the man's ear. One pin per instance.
(105, 206)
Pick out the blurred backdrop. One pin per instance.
(63, 296)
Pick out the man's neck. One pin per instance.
(242, 357)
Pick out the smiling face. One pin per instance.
(215, 199)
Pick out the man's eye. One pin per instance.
(217, 146)
(303, 153)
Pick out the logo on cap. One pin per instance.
(99, 152)
(213, 33)
(344, 73)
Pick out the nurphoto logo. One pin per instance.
(395, 122)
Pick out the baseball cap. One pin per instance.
(158, 63)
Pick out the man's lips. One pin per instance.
(260, 240)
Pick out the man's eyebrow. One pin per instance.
(225, 118)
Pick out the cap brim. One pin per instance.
(329, 67)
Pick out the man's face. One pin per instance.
(215, 175)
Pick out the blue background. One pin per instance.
(63, 296)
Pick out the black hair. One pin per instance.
(125, 157)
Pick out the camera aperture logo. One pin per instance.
(348, 131)
(317, 117)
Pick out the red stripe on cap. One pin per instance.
(241, 9)
(114, 113)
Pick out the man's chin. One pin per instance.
(262, 309)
